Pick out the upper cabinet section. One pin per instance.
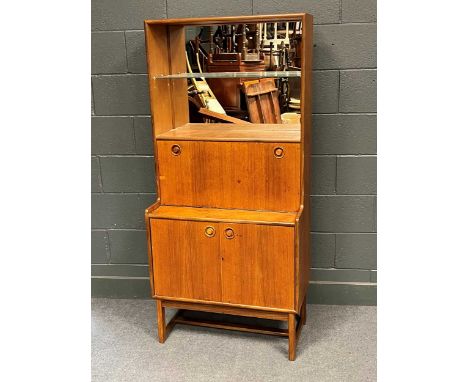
(247, 74)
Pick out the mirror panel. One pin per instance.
(244, 73)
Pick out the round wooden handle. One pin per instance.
(176, 150)
(229, 233)
(210, 231)
(279, 152)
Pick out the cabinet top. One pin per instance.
(231, 19)
(224, 215)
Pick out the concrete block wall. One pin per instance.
(343, 173)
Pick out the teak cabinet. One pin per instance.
(229, 231)
(246, 264)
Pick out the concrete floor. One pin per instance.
(338, 343)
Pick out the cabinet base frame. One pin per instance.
(295, 322)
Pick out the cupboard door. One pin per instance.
(244, 175)
(257, 265)
(186, 261)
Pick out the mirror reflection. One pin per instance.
(245, 73)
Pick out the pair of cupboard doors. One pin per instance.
(235, 263)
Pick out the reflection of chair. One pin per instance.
(262, 101)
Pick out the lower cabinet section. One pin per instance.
(237, 263)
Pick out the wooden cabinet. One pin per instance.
(229, 231)
(244, 264)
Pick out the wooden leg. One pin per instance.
(161, 321)
(304, 311)
(292, 336)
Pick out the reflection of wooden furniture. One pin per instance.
(229, 232)
(205, 94)
(228, 90)
(218, 117)
(291, 118)
(262, 101)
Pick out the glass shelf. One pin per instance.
(272, 74)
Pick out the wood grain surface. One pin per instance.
(230, 175)
(186, 262)
(223, 215)
(229, 19)
(258, 265)
(252, 132)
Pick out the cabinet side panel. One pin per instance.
(160, 91)
(230, 175)
(186, 261)
(306, 104)
(302, 255)
(258, 265)
(303, 227)
(149, 210)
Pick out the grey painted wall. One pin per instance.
(344, 142)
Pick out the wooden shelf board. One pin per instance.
(224, 215)
(254, 132)
(229, 19)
